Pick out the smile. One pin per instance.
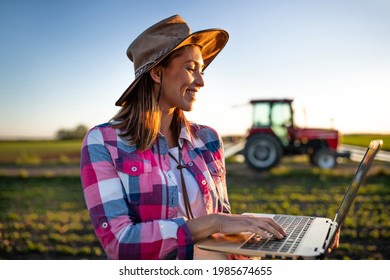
(192, 94)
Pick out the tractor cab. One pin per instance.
(274, 117)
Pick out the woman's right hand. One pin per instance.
(263, 226)
(203, 227)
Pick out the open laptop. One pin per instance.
(307, 237)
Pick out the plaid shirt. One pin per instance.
(133, 203)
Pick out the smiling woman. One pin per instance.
(154, 182)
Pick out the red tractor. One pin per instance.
(273, 135)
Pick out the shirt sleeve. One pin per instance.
(110, 211)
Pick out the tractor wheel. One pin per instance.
(324, 158)
(262, 152)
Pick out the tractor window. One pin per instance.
(281, 119)
(281, 114)
(261, 114)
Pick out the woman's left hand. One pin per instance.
(336, 242)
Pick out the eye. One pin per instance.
(194, 69)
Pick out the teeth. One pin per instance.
(192, 93)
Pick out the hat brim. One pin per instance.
(211, 41)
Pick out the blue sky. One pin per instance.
(63, 63)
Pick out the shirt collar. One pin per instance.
(185, 135)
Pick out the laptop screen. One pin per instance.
(360, 174)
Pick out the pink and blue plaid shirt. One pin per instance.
(132, 201)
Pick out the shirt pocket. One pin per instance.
(135, 174)
(217, 171)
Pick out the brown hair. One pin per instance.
(139, 119)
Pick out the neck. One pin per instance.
(166, 130)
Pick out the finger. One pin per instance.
(273, 227)
(275, 231)
(266, 230)
(260, 232)
(278, 227)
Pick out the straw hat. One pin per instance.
(159, 40)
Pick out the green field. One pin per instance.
(43, 216)
(39, 152)
(68, 151)
(364, 139)
(46, 218)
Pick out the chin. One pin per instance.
(187, 108)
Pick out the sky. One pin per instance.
(64, 63)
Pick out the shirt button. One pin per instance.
(134, 169)
(171, 213)
(104, 225)
(204, 182)
(190, 163)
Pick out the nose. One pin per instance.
(199, 81)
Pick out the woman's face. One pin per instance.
(182, 79)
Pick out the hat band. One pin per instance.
(140, 71)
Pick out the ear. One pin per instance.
(155, 73)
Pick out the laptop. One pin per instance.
(307, 237)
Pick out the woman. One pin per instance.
(154, 183)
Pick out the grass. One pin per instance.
(39, 152)
(46, 217)
(364, 139)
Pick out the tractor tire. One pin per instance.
(324, 158)
(262, 152)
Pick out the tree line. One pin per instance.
(75, 133)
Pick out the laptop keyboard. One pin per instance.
(295, 228)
